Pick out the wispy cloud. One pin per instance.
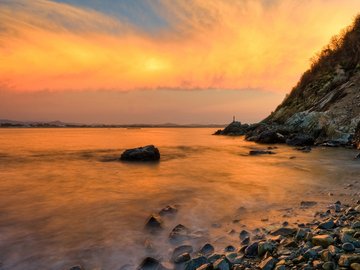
(178, 44)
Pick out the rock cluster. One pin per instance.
(330, 242)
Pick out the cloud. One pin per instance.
(196, 44)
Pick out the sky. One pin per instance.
(158, 61)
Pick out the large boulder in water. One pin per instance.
(235, 128)
(146, 153)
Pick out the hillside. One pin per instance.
(326, 101)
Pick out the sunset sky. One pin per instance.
(157, 61)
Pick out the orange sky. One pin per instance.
(205, 44)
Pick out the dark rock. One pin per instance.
(233, 129)
(305, 149)
(146, 153)
(76, 267)
(270, 137)
(264, 247)
(222, 264)
(323, 240)
(207, 250)
(356, 138)
(329, 266)
(154, 222)
(252, 250)
(229, 249)
(207, 266)
(181, 250)
(348, 247)
(268, 264)
(179, 233)
(149, 264)
(244, 234)
(300, 140)
(195, 263)
(182, 258)
(327, 225)
(306, 204)
(260, 152)
(284, 231)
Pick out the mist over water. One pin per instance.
(65, 199)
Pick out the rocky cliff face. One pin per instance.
(326, 102)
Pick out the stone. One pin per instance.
(222, 264)
(182, 258)
(235, 128)
(207, 266)
(347, 259)
(214, 257)
(348, 247)
(300, 234)
(76, 267)
(327, 225)
(244, 234)
(280, 267)
(300, 140)
(310, 254)
(179, 233)
(356, 225)
(264, 247)
(195, 263)
(355, 266)
(306, 204)
(252, 250)
(268, 264)
(329, 266)
(181, 250)
(145, 153)
(154, 222)
(149, 264)
(284, 231)
(270, 137)
(322, 240)
(229, 248)
(260, 152)
(207, 250)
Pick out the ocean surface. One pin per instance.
(65, 199)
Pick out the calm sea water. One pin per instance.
(65, 200)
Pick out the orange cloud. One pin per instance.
(207, 44)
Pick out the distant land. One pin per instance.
(6, 123)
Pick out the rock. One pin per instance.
(213, 258)
(76, 267)
(168, 210)
(305, 149)
(327, 225)
(229, 248)
(300, 234)
(322, 240)
(264, 247)
(179, 233)
(306, 204)
(270, 137)
(154, 222)
(284, 231)
(235, 128)
(182, 258)
(329, 266)
(221, 264)
(260, 152)
(280, 267)
(300, 140)
(181, 250)
(355, 266)
(268, 264)
(356, 225)
(348, 247)
(244, 234)
(146, 153)
(207, 250)
(252, 250)
(347, 259)
(195, 263)
(310, 254)
(149, 264)
(207, 266)
(356, 138)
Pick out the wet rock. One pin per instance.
(229, 248)
(356, 225)
(260, 152)
(355, 266)
(252, 250)
(244, 234)
(322, 240)
(195, 263)
(306, 204)
(348, 247)
(214, 257)
(181, 250)
(329, 266)
(268, 264)
(222, 264)
(145, 153)
(179, 233)
(284, 231)
(347, 259)
(235, 128)
(270, 137)
(182, 258)
(264, 247)
(154, 222)
(305, 149)
(149, 264)
(76, 267)
(168, 210)
(300, 140)
(280, 267)
(207, 250)
(310, 254)
(207, 266)
(300, 234)
(327, 225)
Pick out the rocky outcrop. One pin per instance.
(146, 153)
(235, 128)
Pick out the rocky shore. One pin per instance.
(290, 134)
(330, 241)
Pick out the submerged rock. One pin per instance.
(154, 222)
(146, 153)
(260, 152)
(207, 250)
(181, 250)
(179, 233)
(149, 264)
(168, 210)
